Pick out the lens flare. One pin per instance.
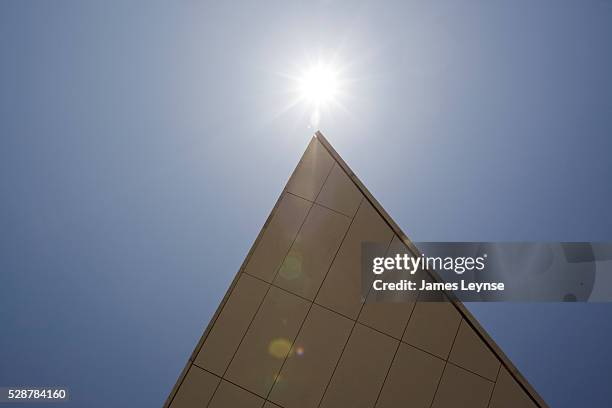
(279, 348)
(291, 269)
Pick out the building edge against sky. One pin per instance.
(292, 331)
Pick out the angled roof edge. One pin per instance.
(465, 313)
(226, 296)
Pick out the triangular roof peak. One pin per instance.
(293, 329)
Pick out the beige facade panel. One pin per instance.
(268, 341)
(389, 316)
(231, 325)
(340, 193)
(311, 172)
(228, 395)
(432, 327)
(412, 380)
(509, 394)
(341, 290)
(470, 352)
(461, 389)
(361, 371)
(277, 237)
(268, 345)
(196, 390)
(312, 359)
(311, 254)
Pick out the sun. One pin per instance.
(319, 84)
(318, 87)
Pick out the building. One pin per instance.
(293, 330)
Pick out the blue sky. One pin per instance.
(142, 146)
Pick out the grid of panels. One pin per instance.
(296, 333)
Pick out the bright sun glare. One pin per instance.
(319, 85)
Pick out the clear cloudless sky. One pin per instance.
(143, 144)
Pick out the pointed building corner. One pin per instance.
(293, 330)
